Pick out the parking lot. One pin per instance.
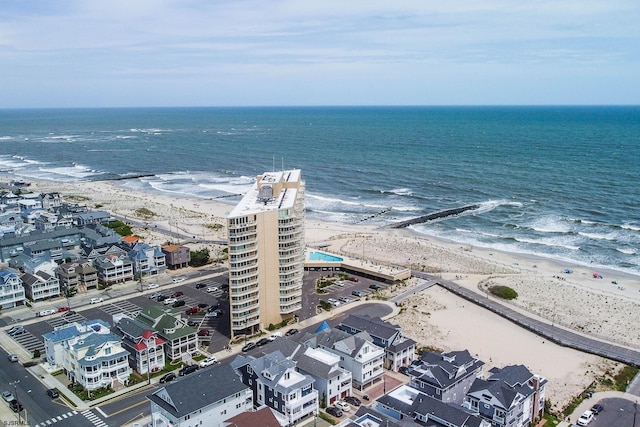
(214, 330)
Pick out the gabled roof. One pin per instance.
(375, 326)
(341, 341)
(199, 390)
(263, 417)
(271, 369)
(444, 369)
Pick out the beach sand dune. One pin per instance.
(434, 317)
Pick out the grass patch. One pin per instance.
(145, 213)
(328, 418)
(503, 292)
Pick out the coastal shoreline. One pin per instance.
(434, 318)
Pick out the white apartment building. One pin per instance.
(266, 252)
(11, 289)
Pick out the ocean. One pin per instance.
(557, 182)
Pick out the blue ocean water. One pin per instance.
(560, 182)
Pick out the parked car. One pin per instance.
(177, 294)
(186, 370)
(162, 298)
(336, 412)
(204, 333)
(203, 305)
(17, 331)
(404, 370)
(208, 362)
(192, 310)
(375, 287)
(354, 279)
(585, 418)
(344, 406)
(214, 313)
(13, 328)
(597, 408)
(339, 283)
(357, 293)
(334, 302)
(95, 300)
(7, 396)
(63, 309)
(154, 295)
(69, 313)
(200, 285)
(16, 406)
(275, 335)
(212, 288)
(13, 357)
(167, 378)
(291, 331)
(52, 393)
(352, 400)
(151, 286)
(178, 279)
(248, 346)
(192, 322)
(345, 299)
(47, 312)
(178, 303)
(263, 341)
(214, 307)
(168, 301)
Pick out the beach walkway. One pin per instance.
(553, 333)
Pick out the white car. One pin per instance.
(169, 301)
(43, 313)
(208, 362)
(344, 406)
(179, 279)
(95, 300)
(334, 302)
(151, 286)
(345, 299)
(212, 288)
(275, 335)
(585, 418)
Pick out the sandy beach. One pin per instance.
(605, 308)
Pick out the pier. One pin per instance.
(434, 216)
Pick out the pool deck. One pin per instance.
(387, 273)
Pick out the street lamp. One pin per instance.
(15, 395)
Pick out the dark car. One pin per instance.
(193, 322)
(263, 341)
(203, 305)
(167, 378)
(224, 287)
(213, 308)
(178, 303)
(188, 370)
(204, 333)
(249, 346)
(375, 287)
(357, 293)
(597, 408)
(201, 285)
(404, 370)
(52, 393)
(352, 400)
(162, 298)
(291, 331)
(69, 313)
(177, 294)
(336, 412)
(16, 406)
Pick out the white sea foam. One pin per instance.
(628, 251)
(599, 236)
(632, 227)
(550, 224)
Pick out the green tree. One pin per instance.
(199, 258)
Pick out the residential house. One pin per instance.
(11, 290)
(40, 286)
(276, 383)
(145, 347)
(263, 417)
(147, 260)
(54, 341)
(51, 201)
(445, 376)
(96, 360)
(407, 404)
(358, 354)
(511, 396)
(50, 247)
(179, 338)
(91, 218)
(81, 275)
(114, 266)
(332, 382)
(207, 397)
(177, 256)
(399, 350)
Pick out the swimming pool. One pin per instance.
(321, 256)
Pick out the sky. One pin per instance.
(138, 53)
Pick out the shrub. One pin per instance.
(503, 292)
